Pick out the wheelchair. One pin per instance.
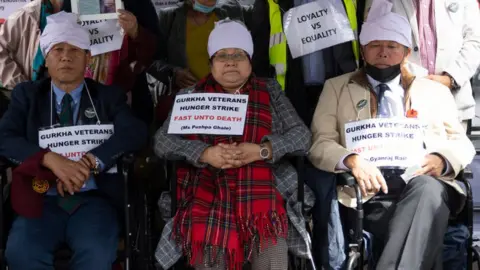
(297, 159)
(355, 239)
(131, 250)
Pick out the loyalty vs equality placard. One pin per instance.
(105, 35)
(394, 142)
(315, 26)
(208, 113)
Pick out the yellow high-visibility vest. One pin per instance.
(351, 9)
(278, 43)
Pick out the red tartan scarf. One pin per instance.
(227, 213)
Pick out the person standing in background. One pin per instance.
(183, 58)
(22, 59)
(446, 43)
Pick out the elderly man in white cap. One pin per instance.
(61, 191)
(236, 195)
(410, 224)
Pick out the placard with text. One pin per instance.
(105, 35)
(315, 26)
(75, 141)
(9, 7)
(397, 142)
(208, 113)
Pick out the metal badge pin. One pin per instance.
(89, 113)
(362, 103)
(453, 7)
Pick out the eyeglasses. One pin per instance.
(237, 57)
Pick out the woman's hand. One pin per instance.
(236, 156)
(213, 156)
(128, 22)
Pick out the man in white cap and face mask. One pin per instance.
(58, 200)
(411, 226)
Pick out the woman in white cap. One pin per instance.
(236, 194)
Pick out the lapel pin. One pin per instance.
(453, 7)
(89, 113)
(361, 104)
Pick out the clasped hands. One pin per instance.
(71, 175)
(370, 179)
(228, 156)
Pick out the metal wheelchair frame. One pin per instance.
(356, 246)
(63, 255)
(299, 163)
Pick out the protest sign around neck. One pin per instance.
(390, 142)
(315, 26)
(75, 141)
(208, 113)
(9, 7)
(105, 35)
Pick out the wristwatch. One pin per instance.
(453, 84)
(96, 170)
(264, 152)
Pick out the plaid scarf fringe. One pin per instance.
(257, 233)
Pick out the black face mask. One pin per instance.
(383, 75)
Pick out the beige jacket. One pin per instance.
(458, 44)
(19, 40)
(433, 102)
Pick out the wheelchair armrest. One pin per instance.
(176, 158)
(465, 175)
(298, 153)
(346, 179)
(128, 159)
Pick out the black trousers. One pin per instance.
(411, 227)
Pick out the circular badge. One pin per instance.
(40, 186)
(453, 7)
(362, 103)
(89, 113)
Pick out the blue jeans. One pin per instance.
(91, 232)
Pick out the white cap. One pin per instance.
(63, 27)
(383, 24)
(230, 34)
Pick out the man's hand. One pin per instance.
(238, 156)
(89, 161)
(184, 78)
(72, 174)
(443, 79)
(432, 165)
(368, 177)
(128, 22)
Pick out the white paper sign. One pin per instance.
(315, 26)
(105, 35)
(394, 142)
(208, 113)
(162, 4)
(96, 9)
(73, 142)
(9, 7)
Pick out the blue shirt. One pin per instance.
(76, 96)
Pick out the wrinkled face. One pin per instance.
(66, 63)
(231, 67)
(383, 54)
